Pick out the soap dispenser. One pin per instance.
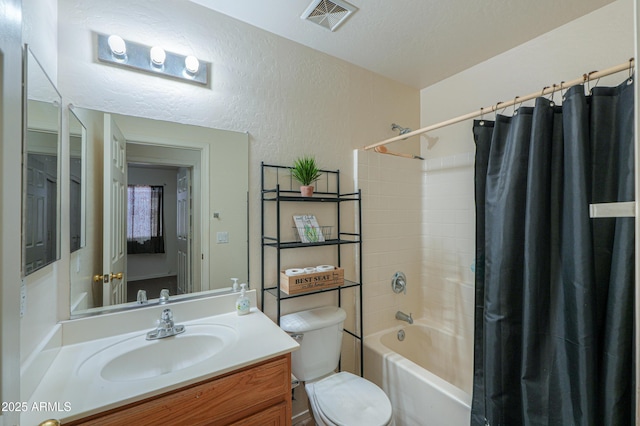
(243, 304)
(235, 285)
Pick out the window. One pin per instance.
(145, 227)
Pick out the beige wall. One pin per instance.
(292, 101)
(596, 41)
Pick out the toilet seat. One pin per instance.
(347, 399)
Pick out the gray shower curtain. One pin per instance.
(554, 288)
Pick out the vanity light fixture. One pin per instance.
(117, 45)
(191, 64)
(157, 55)
(113, 49)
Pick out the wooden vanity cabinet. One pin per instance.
(257, 395)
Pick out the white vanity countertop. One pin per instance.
(71, 395)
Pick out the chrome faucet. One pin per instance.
(142, 297)
(404, 317)
(166, 327)
(164, 296)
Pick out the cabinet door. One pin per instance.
(274, 416)
(222, 401)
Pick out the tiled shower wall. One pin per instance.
(448, 246)
(392, 219)
(418, 217)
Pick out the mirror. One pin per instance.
(41, 171)
(166, 207)
(77, 175)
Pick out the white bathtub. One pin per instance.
(428, 376)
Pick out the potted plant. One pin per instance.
(305, 171)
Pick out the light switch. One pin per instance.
(222, 237)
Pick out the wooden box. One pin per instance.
(310, 282)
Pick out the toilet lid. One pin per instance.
(347, 399)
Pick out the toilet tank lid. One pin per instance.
(313, 319)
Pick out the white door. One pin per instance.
(36, 229)
(114, 257)
(185, 282)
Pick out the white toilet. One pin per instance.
(336, 398)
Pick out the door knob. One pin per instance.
(106, 278)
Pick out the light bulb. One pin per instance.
(117, 45)
(191, 64)
(157, 55)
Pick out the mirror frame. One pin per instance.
(30, 59)
(83, 178)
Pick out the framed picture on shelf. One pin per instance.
(308, 228)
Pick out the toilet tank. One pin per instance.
(321, 330)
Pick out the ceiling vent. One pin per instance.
(328, 13)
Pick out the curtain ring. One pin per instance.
(561, 94)
(543, 89)
(589, 82)
(596, 83)
(503, 108)
(631, 66)
(482, 116)
(553, 93)
(585, 80)
(515, 101)
(495, 109)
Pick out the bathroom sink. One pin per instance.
(136, 358)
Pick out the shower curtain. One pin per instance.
(554, 288)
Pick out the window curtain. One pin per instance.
(145, 229)
(555, 288)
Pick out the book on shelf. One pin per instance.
(308, 228)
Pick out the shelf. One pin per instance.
(295, 244)
(278, 186)
(330, 198)
(274, 290)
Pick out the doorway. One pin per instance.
(159, 256)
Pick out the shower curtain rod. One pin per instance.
(594, 75)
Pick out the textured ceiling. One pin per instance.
(416, 42)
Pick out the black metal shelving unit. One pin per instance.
(283, 192)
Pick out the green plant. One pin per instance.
(305, 170)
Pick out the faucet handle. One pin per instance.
(164, 296)
(167, 315)
(142, 297)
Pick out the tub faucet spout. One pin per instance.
(404, 317)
